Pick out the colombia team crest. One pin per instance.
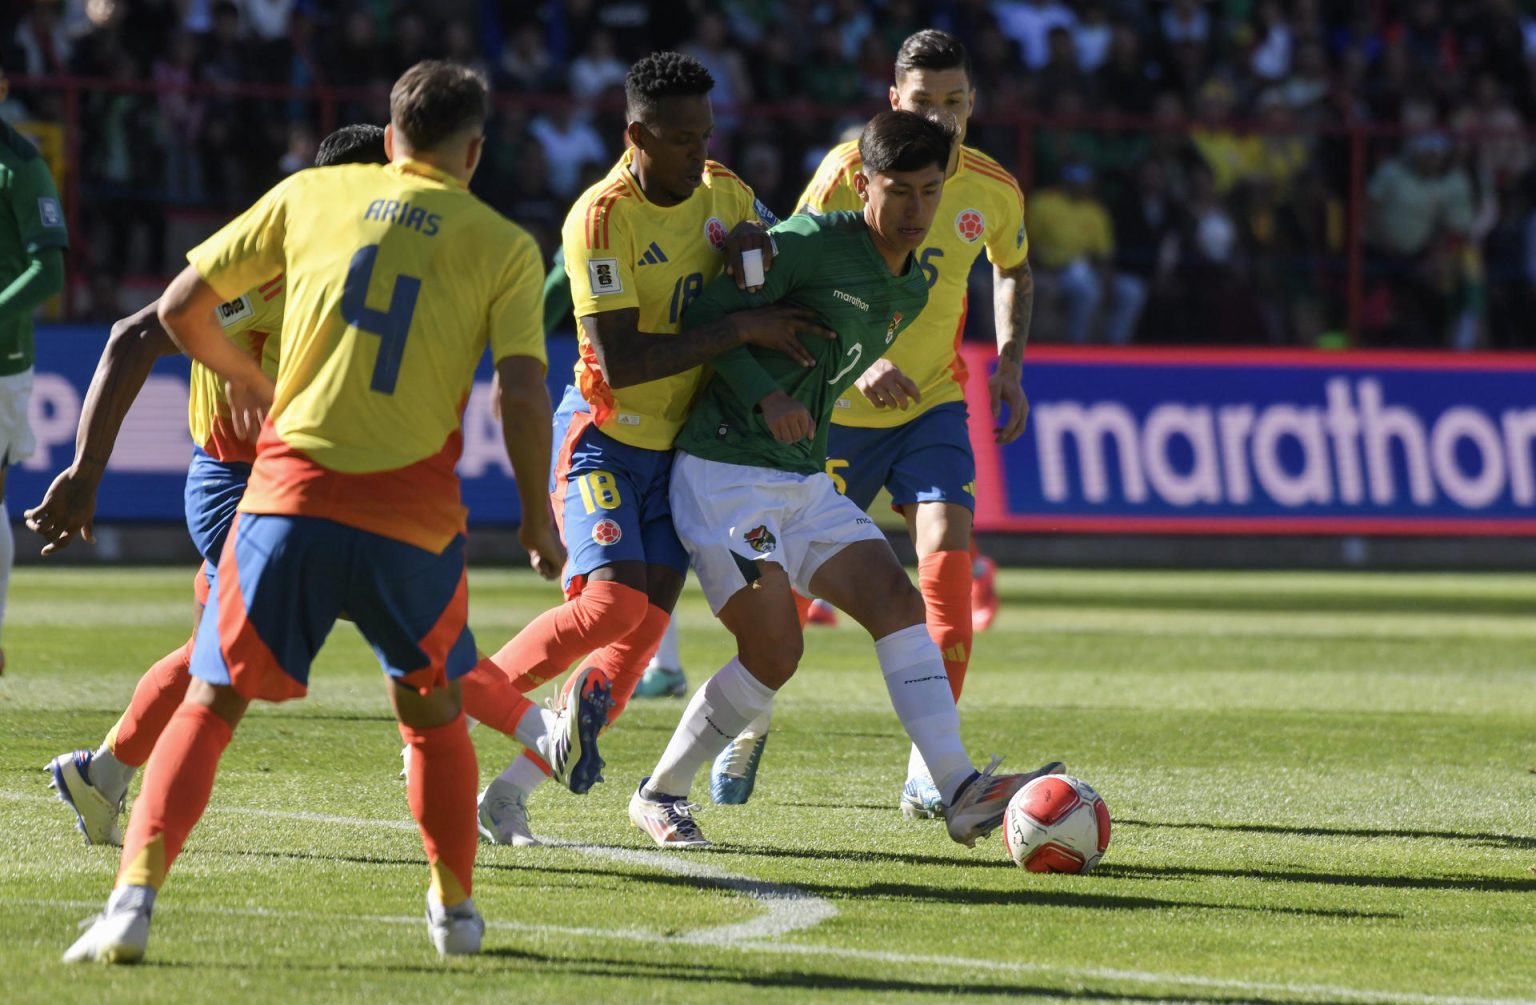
(969, 224)
(760, 539)
(606, 532)
(714, 233)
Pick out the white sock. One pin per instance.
(719, 710)
(759, 726)
(919, 688)
(669, 654)
(916, 766)
(109, 775)
(533, 730)
(524, 774)
(7, 556)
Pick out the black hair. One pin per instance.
(904, 141)
(359, 144)
(663, 75)
(931, 49)
(436, 100)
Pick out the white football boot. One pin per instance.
(120, 932)
(669, 822)
(921, 799)
(977, 809)
(504, 815)
(95, 815)
(457, 930)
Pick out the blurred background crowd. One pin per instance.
(1287, 172)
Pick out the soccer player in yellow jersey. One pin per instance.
(907, 429)
(397, 280)
(93, 783)
(639, 246)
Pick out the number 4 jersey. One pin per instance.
(624, 251)
(396, 280)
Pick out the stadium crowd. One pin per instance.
(1189, 162)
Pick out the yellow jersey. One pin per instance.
(621, 251)
(252, 321)
(982, 207)
(396, 280)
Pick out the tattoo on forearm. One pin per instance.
(1013, 303)
(651, 357)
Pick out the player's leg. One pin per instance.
(16, 444)
(94, 783)
(664, 676)
(276, 600)
(7, 550)
(728, 517)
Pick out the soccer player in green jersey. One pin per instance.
(32, 243)
(759, 516)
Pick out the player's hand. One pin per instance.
(787, 418)
(887, 387)
(545, 552)
(746, 236)
(1005, 388)
(776, 327)
(68, 510)
(249, 403)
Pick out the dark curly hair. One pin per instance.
(663, 75)
(359, 144)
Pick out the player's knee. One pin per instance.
(611, 610)
(772, 661)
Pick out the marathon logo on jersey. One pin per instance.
(970, 224)
(603, 274)
(607, 532)
(49, 212)
(760, 539)
(849, 298)
(714, 233)
(403, 214)
(890, 330)
(235, 310)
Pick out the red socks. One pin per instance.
(155, 700)
(623, 662)
(176, 788)
(441, 789)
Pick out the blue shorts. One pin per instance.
(212, 492)
(926, 460)
(283, 580)
(609, 498)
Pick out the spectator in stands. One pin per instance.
(1272, 44)
(597, 70)
(1029, 24)
(1073, 245)
(181, 118)
(1091, 36)
(357, 59)
(44, 46)
(733, 86)
(1122, 82)
(1148, 225)
(1420, 209)
(460, 46)
(829, 79)
(1061, 72)
(525, 61)
(570, 144)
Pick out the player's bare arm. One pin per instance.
(524, 406)
(629, 356)
(68, 508)
(1013, 302)
(887, 387)
(187, 314)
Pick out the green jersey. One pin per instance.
(31, 219)
(828, 264)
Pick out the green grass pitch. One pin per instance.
(1322, 788)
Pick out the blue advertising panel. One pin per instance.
(1263, 441)
(145, 476)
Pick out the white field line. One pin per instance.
(750, 943)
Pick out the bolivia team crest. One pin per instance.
(890, 330)
(714, 233)
(606, 532)
(760, 539)
(969, 225)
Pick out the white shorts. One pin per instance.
(731, 516)
(16, 442)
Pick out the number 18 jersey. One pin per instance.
(396, 279)
(623, 251)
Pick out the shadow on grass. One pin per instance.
(1479, 884)
(495, 960)
(1491, 840)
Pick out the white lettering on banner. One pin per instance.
(1355, 447)
(53, 414)
(483, 446)
(154, 439)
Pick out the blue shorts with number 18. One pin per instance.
(609, 498)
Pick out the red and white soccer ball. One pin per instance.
(1056, 823)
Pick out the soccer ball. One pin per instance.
(1056, 823)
